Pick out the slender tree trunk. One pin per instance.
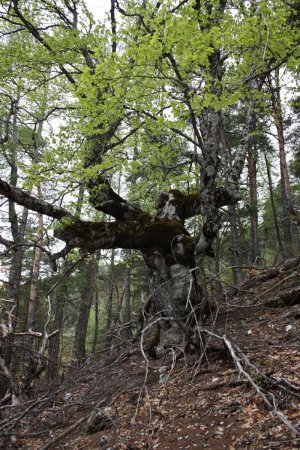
(127, 300)
(18, 234)
(87, 295)
(59, 300)
(286, 193)
(217, 283)
(274, 213)
(233, 223)
(254, 251)
(17, 229)
(15, 272)
(33, 296)
(235, 246)
(96, 303)
(96, 327)
(109, 305)
(54, 342)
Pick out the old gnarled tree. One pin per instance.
(178, 71)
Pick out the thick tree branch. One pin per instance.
(135, 234)
(176, 205)
(20, 197)
(106, 200)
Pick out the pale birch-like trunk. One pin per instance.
(33, 296)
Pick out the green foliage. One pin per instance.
(140, 81)
(139, 104)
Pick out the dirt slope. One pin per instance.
(244, 394)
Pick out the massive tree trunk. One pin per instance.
(166, 245)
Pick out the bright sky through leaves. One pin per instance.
(99, 8)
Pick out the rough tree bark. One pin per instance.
(167, 247)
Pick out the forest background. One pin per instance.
(161, 145)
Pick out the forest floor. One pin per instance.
(244, 398)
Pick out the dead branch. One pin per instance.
(67, 272)
(18, 387)
(240, 360)
(36, 334)
(65, 433)
(22, 198)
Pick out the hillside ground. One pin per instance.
(243, 394)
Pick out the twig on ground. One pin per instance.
(239, 360)
(64, 433)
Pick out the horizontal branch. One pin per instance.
(34, 204)
(135, 234)
(105, 199)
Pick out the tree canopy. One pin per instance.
(133, 110)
